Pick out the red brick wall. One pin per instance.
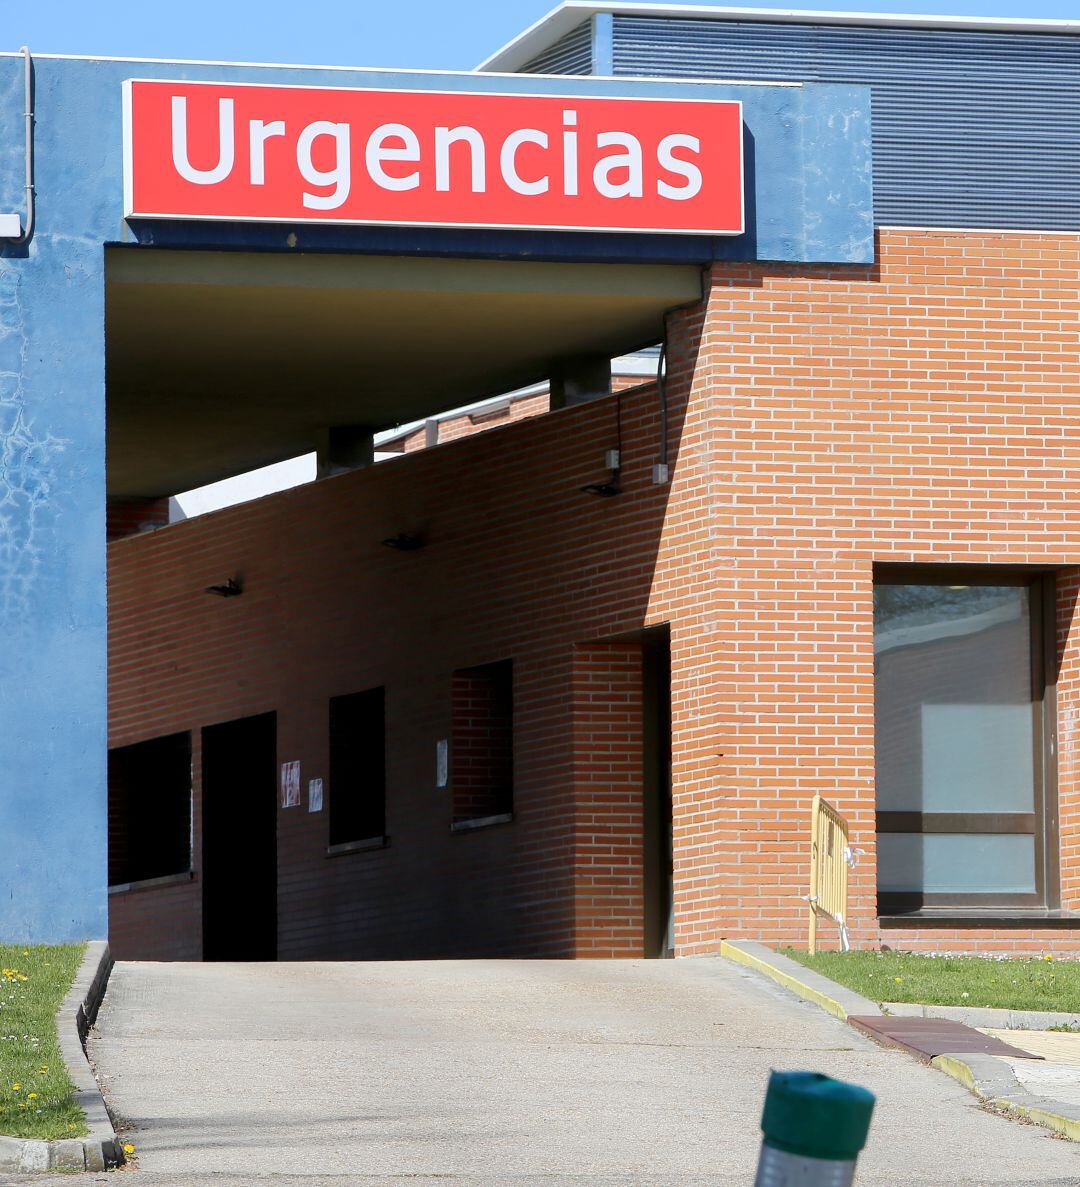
(468, 426)
(608, 786)
(925, 409)
(126, 517)
(518, 563)
(156, 923)
(482, 741)
(162, 922)
(520, 409)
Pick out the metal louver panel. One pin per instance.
(571, 54)
(970, 129)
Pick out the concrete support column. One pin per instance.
(345, 447)
(53, 807)
(578, 380)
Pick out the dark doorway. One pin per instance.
(239, 803)
(656, 672)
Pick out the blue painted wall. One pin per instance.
(809, 199)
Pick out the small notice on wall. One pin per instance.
(314, 795)
(442, 762)
(290, 785)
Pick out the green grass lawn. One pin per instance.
(36, 1096)
(1017, 984)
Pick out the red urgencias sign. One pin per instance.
(431, 158)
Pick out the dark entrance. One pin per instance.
(239, 769)
(656, 672)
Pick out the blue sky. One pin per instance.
(420, 33)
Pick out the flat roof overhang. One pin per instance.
(219, 362)
(570, 14)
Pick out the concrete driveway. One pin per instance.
(499, 1072)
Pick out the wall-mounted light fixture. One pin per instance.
(230, 589)
(404, 542)
(613, 461)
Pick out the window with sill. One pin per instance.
(964, 719)
(150, 809)
(482, 742)
(357, 793)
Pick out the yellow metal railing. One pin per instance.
(830, 857)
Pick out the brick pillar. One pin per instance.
(608, 789)
(1068, 734)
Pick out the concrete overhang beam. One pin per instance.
(219, 362)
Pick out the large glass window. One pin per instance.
(962, 739)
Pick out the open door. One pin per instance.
(239, 835)
(659, 864)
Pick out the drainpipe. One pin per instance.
(11, 225)
(661, 471)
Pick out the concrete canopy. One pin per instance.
(218, 362)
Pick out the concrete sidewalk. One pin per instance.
(483, 1072)
(1058, 1075)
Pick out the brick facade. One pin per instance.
(925, 409)
(453, 428)
(468, 424)
(126, 517)
(608, 737)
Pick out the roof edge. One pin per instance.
(542, 34)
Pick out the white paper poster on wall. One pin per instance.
(314, 795)
(442, 762)
(290, 785)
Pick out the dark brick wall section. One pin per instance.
(127, 517)
(482, 741)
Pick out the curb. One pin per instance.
(985, 1016)
(986, 1076)
(992, 1080)
(101, 1148)
(837, 1000)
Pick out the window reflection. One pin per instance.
(958, 736)
(953, 709)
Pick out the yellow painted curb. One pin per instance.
(1069, 1126)
(951, 1065)
(959, 1070)
(956, 1068)
(788, 981)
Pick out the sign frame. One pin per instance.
(323, 220)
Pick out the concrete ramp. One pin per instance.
(490, 1072)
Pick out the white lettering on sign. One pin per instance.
(444, 138)
(340, 176)
(686, 169)
(260, 133)
(382, 149)
(226, 144)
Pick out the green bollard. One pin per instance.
(814, 1128)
